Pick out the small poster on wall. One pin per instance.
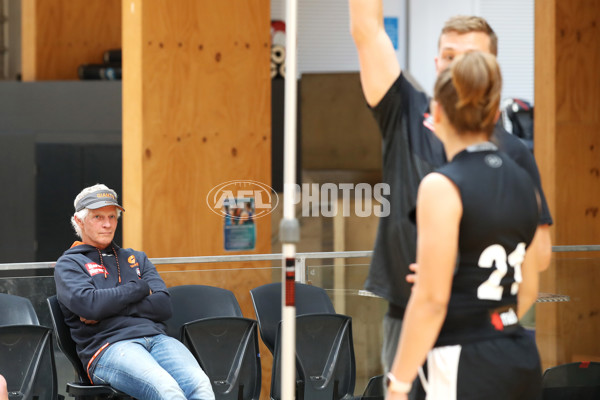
(390, 25)
(239, 226)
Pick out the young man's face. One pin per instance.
(453, 44)
(98, 228)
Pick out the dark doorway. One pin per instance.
(63, 170)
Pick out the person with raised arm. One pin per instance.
(411, 150)
(476, 219)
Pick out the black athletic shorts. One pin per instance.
(505, 368)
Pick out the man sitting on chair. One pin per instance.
(115, 302)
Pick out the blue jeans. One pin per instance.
(153, 368)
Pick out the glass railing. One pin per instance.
(341, 274)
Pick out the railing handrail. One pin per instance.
(262, 257)
(210, 259)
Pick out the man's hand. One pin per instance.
(88, 321)
(412, 278)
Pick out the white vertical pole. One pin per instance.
(289, 228)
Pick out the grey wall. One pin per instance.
(33, 113)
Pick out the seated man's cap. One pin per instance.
(98, 199)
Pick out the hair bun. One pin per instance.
(470, 91)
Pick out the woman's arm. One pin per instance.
(439, 210)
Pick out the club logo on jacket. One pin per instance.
(95, 269)
(132, 262)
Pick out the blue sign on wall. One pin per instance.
(391, 28)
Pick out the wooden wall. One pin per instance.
(354, 233)
(59, 35)
(196, 104)
(196, 113)
(338, 130)
(567, 148)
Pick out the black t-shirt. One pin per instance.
(410, 151)
(499, 219)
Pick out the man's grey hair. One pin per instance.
(82, 214)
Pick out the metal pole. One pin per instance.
(289, 228)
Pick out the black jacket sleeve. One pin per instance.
(75, 290)
(157, 306)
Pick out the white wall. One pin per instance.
(325, 44)
(324, 41)
(513, 22)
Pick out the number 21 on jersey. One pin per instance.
(496, 255)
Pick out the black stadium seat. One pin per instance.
(209, 321)
(83, 388)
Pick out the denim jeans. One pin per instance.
(153, 368)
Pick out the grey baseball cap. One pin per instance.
(98, 199)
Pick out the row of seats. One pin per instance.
(209, 321)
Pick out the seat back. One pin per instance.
(17, 310)
(26, 352)
(580, 380)
(27, 362)
(227, 350)
(267, 306)
(325, 362)
(83, 388)
(374, 389)
(209, 321)
(63, 338)
(193, 302)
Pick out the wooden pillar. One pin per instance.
(196, 113)
(59, 35)
(567, 149)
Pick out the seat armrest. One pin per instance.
(83, 390)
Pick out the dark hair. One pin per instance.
(470, 23)
(469, 91)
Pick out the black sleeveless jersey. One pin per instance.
(499, 220)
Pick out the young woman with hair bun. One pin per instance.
(476, 216)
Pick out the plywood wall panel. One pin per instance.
(578, 180)
(133, 125)
(577, 61)
(60, 35)
(579, 327)
(205, 98)
(338, 130)
(196, 113)
(567, 148)
(212, 117)
(545, 154)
